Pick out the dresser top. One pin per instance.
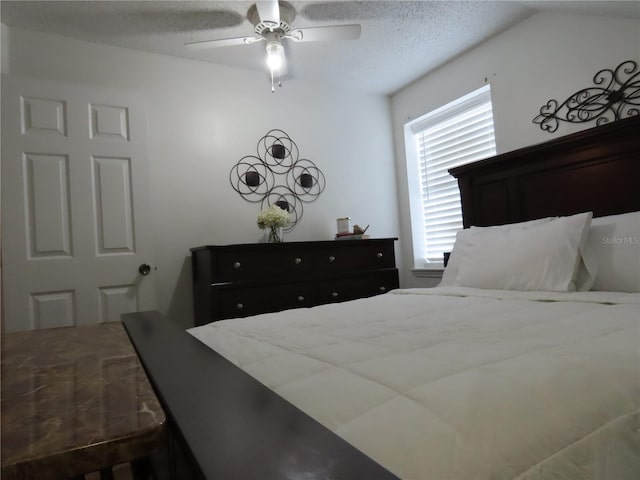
(290, 245)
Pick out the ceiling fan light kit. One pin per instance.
(272, 23)
(275, 52)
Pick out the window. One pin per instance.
(458, 133)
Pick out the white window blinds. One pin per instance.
(456, 134)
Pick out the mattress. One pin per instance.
(460, 383)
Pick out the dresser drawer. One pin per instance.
(345, 256)
(241, 302)
(340, 290)
(248, 265)
(372, 256)
(333, 259)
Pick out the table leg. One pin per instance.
(141, 469)
(106, 474)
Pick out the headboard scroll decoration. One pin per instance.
(278, 176)
(615, 96)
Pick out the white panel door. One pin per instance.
(75, 204)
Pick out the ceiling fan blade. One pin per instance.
(224, 42)
(269, 13)
(323, 34)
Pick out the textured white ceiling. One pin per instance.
(400, 42)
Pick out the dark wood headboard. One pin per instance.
(595, 170)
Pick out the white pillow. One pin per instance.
(462, 243)
(615, 242)
(544, 255)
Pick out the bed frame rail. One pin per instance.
(225, 424)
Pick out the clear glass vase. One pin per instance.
(274, 235)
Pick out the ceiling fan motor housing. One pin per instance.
(287, 14)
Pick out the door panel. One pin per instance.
(52, 309)
(75, 204)
(116, 300)
(114, 215)
(47, 201)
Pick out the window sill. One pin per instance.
(427, 272)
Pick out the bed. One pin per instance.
(493, 375)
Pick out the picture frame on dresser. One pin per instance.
(231, 281)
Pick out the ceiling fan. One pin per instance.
(272, 24)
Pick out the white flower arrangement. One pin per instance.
(273, 217)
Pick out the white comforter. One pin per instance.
(458, 383)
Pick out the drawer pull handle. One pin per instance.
(300, 298)
(379, 255)
(332, 258)
(298, 260)
(382, 289)
(237, 265)
(334, 294)
(239, 306)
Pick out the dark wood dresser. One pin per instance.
(232, 281)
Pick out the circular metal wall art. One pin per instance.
(252, 179)
(305, 180)
(277, 176)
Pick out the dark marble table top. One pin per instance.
(74, 400)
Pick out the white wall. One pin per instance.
(202, 119)
(547, 56)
